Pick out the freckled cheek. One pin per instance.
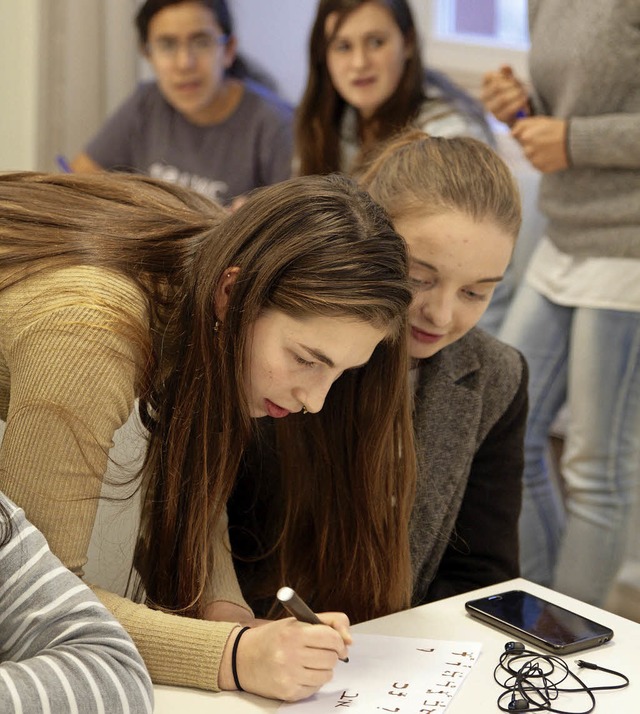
(267, 375)
(260, 374)
(277, 376)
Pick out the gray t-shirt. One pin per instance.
(251, 148)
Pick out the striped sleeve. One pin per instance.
(60, 649)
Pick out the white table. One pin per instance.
(447, 620)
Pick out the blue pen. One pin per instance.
(521, 114)
(63, 164)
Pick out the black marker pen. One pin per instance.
(297, 607)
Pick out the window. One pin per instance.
(475, 36)
(494, 22)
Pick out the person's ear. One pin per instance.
(223, 291)
(230, 51)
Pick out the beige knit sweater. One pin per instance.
(66, 385)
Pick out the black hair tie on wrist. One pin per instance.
(234, 655)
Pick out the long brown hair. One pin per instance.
(309, 246)
(320, 113)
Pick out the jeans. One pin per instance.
(591, 358)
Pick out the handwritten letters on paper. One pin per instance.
(402, 675)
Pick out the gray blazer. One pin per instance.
(469, 420)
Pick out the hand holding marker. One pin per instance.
(297, 607)
(507, 74)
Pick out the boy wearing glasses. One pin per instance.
(198, 124)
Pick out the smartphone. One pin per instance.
(530, 618)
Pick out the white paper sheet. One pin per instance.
(402, 675)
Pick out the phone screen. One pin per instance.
(544, 621)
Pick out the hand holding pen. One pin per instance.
(505, 96)
(285, 659)
(299, 609)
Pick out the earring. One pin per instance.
(304, 409)
(216, 326)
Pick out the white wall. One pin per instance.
(18, 83)
(64, 64)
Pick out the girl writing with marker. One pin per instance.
(115, 288)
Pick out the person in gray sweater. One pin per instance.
(60, 648)
(576, 317)
(457, 206)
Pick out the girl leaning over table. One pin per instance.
(119, 287)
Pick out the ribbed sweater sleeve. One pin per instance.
(68, 371)
(177, 650)
(609, 140)
(71, 385)
(61, 650)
